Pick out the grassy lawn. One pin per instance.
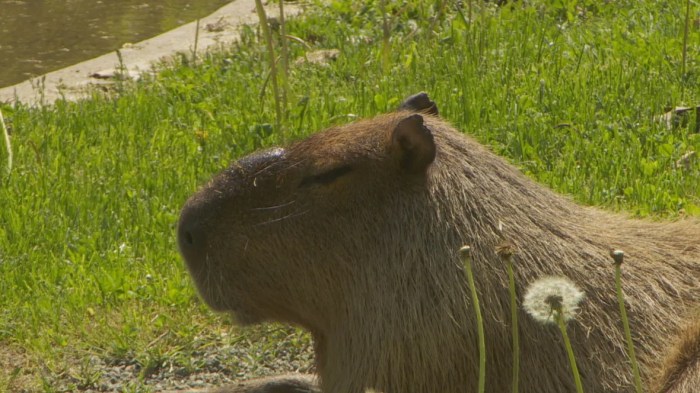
(569, 91)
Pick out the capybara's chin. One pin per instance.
(221, 298)
(245, 318)
(220, 295)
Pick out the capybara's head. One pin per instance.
(279, 234)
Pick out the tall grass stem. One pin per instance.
(271, 58)
(685, 37)
(6, 134)
(285, 60)
(386, 36)
(196, 42)
(466, 257)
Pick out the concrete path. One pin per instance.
(71, 83)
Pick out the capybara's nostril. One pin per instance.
(187, 237)
(190, 235)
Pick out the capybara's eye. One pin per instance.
(326, 177)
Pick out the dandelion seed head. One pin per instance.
(506, 249)
(554, 301)
(618, 256)
(550, 295)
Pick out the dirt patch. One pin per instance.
(16, 372)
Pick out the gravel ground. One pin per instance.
(210, 366)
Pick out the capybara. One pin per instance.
(354, 234)
(680, 371)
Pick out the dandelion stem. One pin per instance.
(465, 251)
(569, 351)
(626, 326)
(514, 323)
(7, 143)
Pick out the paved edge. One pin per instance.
(72, 83)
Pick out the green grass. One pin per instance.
(88, 258)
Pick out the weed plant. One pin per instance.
(88, 258)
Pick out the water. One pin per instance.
(39, 36)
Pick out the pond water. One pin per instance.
(39, 36)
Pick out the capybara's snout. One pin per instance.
(192, 230)
(223, 201)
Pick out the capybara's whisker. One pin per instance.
(276, 220)
(274, 207)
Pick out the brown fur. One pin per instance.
(367, 260)
(681, 369)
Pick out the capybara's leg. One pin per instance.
(287, 383)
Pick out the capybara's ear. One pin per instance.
(413, 145)
(419, 103)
